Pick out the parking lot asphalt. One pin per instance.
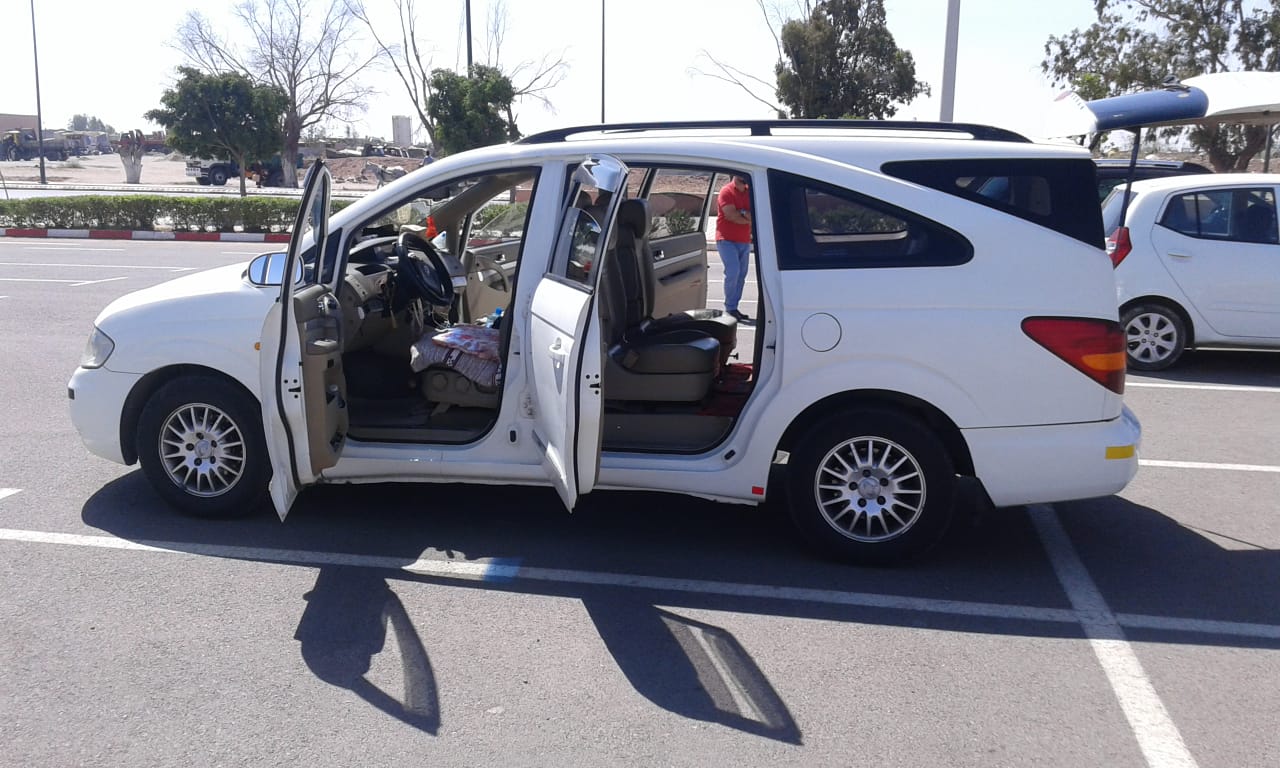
(458, 624)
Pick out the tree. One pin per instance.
(222, 115)
(468, 111)
(132, 148)
(410, 59)
(842, 61)
(311, 57)
(1136, 44)
(88, 123)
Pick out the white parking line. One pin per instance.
(70, 248)
(72, 283)
(7, 492)
(91, 266)
(1207, 465)
(1158, 737)
(1205, 387)
(506, 571)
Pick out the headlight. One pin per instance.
(97, 350)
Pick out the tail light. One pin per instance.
(1094, 347)
(1118, 246)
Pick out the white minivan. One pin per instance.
(936, 319)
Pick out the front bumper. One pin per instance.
(1046, 464)
(97, 402)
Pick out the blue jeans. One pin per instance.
(736, 258)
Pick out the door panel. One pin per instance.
(566, 351)
(1204, 242)
(304, 405)
(680, 272)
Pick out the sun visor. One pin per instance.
(1223, 97)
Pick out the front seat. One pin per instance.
(717, 324)
(644, 363)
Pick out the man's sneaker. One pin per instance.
(740, 316)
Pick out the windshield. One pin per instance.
(1111, 209)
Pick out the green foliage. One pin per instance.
(843, 62)
(153, 212)
(468, 111)
(221, 115)
(1136, 44)
(88, 123)
(502, 218)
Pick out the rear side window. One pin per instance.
(1240, 215)
(820, 226)
(1061, 195)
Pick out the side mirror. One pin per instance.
(268, 269)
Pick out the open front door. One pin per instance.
(566, 359)
(304, 405)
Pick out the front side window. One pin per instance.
(677, 200)
(1240, 215)
(820, 226)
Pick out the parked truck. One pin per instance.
(268, 173)
(23, 145)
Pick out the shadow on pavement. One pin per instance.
(1146, 565)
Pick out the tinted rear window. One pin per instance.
(1057, 194)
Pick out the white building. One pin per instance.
(401, 131)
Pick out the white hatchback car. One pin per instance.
(1197, 264)
(936, 317)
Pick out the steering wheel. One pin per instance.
(422, 278)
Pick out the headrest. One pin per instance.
(633, 214)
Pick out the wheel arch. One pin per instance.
(928, 414)
(1164, 301)
(148, 385)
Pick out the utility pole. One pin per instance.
(949, 62)
(602, 61)
(39, 118)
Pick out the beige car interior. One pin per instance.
(418, 371)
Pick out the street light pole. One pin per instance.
(949, 62)
(468, 38)
(39, 118)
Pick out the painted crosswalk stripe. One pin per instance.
(1208, 465)
(7, 492)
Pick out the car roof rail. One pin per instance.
(767, 127)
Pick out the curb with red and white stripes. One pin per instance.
(126, 234)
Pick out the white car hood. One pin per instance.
(191, 320)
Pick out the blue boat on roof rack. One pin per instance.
(1222, 97)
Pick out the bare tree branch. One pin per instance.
(313, 58)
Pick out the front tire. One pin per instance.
(1155, 337)
(871, 487)
(200, 444)
(217, 177)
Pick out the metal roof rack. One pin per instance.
(767, 127)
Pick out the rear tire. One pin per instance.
(1155, 337)
(871, 487)
(200, 443)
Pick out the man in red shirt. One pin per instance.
(733, 239)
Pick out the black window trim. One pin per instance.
(784, 185)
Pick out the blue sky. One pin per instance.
(100, 60)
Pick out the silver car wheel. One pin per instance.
(202, 450)
(1151, 337)
(870, 489)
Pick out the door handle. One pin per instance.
(557, 350)
(1179, 255)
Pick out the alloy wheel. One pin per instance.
(202, 450)
(870, 489)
